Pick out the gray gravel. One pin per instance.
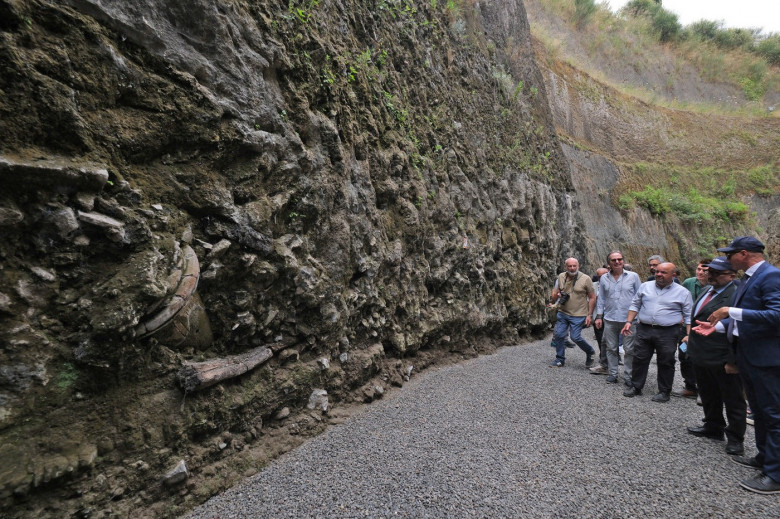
(504, 435)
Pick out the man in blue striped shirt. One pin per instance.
(616, 292)
(659, 307)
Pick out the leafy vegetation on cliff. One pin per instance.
(694, 128)
(643, 34)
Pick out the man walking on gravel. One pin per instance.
(616, 291)
(575, 298)
(602, 368)
(754, 324)
(659, 307)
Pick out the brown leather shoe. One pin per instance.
(686, 393)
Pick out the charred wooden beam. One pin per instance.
(194, 376)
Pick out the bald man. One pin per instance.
(659, 307)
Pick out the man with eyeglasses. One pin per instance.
(616, 291)
(754, 323)
(652, 263)
(715, 363)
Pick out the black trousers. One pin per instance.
(686, 365)
(718, 389)
(662, 342)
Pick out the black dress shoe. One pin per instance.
(704, 432)
(661, 397)
(761, 484)
(735, 448)
(632, 392)
(751, 462)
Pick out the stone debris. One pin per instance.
(176, 475)
(52, 174)
(318, 400)
(113, 228)
(44, 274)
(10, 216)
(220, 247)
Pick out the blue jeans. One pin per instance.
(573, 325)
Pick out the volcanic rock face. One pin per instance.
(360, 185)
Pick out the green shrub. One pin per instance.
(735, 38)
(640, 7)
(769, 49)
(583, 10)
(666, 24)
(626, 202)
(654, 200)
(754, 90)
(705, 30)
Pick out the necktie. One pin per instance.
(707, 299)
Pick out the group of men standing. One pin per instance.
(727, 332)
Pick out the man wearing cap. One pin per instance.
(660, 306)
(715, 363)
(754, 323)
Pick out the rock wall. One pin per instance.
(290, 199)
(609, 133)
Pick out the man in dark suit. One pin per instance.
(715, 364)
(754, 322)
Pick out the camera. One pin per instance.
(563, 298)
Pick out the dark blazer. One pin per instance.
(715, 349)
(759, 330)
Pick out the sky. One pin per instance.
(743, 14)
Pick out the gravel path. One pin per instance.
(506, 436)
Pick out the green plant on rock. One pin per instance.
(754, 90)
(67, 377)
(302, 11)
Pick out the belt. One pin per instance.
(660, 326)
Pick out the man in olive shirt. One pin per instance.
(660, 306)
(573, 314)
(695, 285)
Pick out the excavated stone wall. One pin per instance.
(608, 133)
(306, 201)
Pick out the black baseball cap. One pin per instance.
(748, 243)
(720, 263)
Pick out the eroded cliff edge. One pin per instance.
(342, 191)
